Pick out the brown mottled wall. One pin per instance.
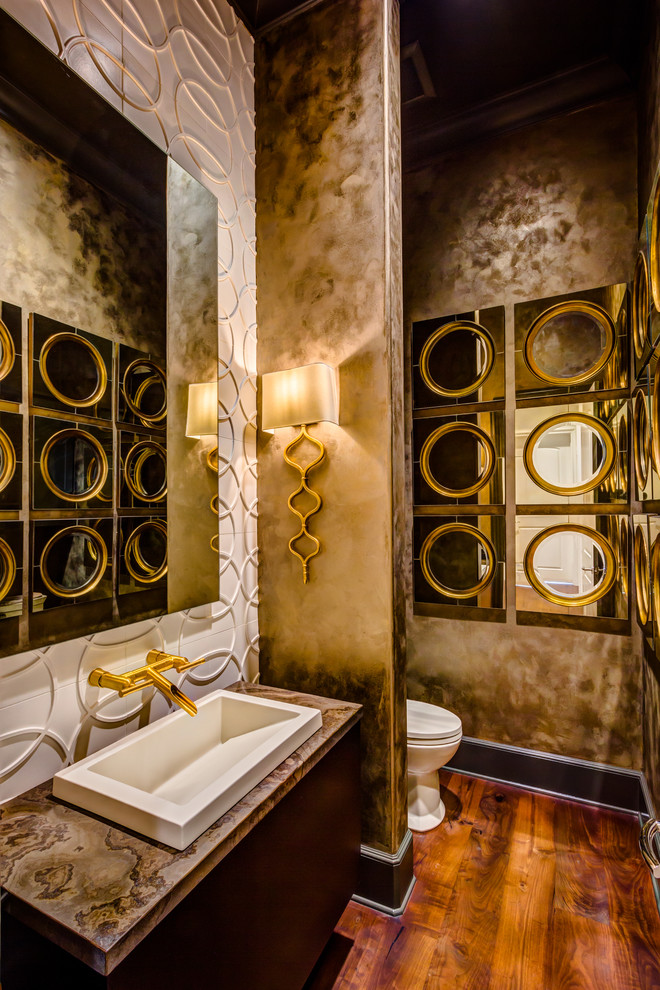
(329, 277)
(540, 211)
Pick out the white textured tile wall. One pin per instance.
(183, 72)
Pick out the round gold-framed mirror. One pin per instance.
(74, 465)
(474, 457)
(654, 248)
(655, 419)
(641, 439)
(145, 553)
(457, 358)
(145, 471)
(581, 540)
(215, 505)
(73, 370)
(640, 305)
(73, 561)
(7, 350)
(622, 454)
(575, 425)
(212, 460)
(461, 551)
(7, 460)
(642, 576)
(569, 343)
(655, 587)
(624, 554)
(7, 568)
(214, 542)
(144, 388)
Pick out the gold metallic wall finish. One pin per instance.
(651, 731)
(329, 271)
(182, 71)
(550, 209)
(556, 690)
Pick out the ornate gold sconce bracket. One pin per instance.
(304, 487)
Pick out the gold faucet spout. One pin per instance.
(150, 674)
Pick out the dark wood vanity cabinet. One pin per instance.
(258, 921)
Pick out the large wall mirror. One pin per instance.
(108, 282)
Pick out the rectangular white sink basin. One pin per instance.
(174, 778)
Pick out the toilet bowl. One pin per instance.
(434, 735)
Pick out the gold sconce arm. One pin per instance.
(150, 675)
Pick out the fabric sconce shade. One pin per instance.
(304, 395)
(202, 419)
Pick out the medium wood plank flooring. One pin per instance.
(515, 891)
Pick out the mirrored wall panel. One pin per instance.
(459, 459)
(459, 560)
(11, 460)
(11, 572)
(142, 554)
(571, 343)
(572, 565)
(72, 465)
(71, 369)
(142, 398)
(458, 358)
(643, 540)
(11, 365)
(572, 454)
(143, 462)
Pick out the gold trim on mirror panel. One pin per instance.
(655, 587)
(640, 305)
(609, 448)
(140, 453)
(147, 574)
(655, 247)
(624, 553)
(574, 601)
(8, 565)
(215, 505)
(133, 402)
(480, 538)
(212, 460)
(641, 439)
(100, 460)
(8, 460)
(572, 306)
(98, 552)
(483, 336)
(655, 418)
(486, 444)
(7, 350)
(214, 542)
(622, 457)
(101, 372)
(642, 576)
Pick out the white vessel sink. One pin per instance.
(173, 779)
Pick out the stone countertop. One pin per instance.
(98, 890)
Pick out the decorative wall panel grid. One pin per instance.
(182, 71)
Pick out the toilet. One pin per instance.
(434, 735)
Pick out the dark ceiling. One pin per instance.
(473, 67)
(470, 68)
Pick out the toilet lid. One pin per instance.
(431, 722)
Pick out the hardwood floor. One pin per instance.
(515, 891)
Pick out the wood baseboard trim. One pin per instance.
(560, 776)
(385, 880)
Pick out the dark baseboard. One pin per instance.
(563, 776)
(385, 880)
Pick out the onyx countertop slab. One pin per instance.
(97, 890)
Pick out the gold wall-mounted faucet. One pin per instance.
(151, 674)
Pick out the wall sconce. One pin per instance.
(202, 418)
(298, 397)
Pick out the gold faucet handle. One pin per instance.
(168, 661)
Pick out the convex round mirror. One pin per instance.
(641, 439)
(458, 459)
(457, 358)
(145, 471)
(145, 391)
(457, 560)
(640, 305)
(73, 370)
(624, 553)
(655, 248)
(570, 565)
(7, 460)
(73, 561)
(74, 465)
(7, 568)
(7, 351)
(570, 454)
(570, 343)
(145, 553)
(642, 576)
